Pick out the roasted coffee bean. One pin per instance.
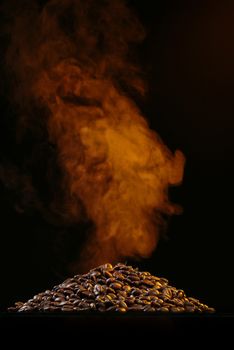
(163, 309)
(127, 288)
(148, 283)
(136, 308)
(121, 309)
(194, 301)
(19, 304)
(87, 294)
(135, 291)
(59, 299)
(119, 276)
(149, 309)
(107, 274)
(157, 285)
(122, 293)
(167, 293)
(123, 304)
(153, 292)
(110, 290)
(98, 289)
(118, 289)
(110, 280)
(177, 309)
(100, 299)
(210, 309)
(130, 301)
(190, 308)
(180, 294)
(111, 308)
(63, 303)
(134, 278)
(67, 309)
(25, 308)
(112, 295)
(116, 285)
(107, 266)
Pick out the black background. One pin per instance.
(188, 57)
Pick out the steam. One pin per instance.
(70, 59)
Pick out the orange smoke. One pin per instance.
(73, 60)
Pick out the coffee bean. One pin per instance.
(180, 294)
(190, 308)
(148, 283)
(123, 304)
(135, 291)
(177, 309)
(163, 309)
(178, 302)
(121, 309)
(107, 266)
(98, 289)
(116, 285)
(111, 308)
(113, 289)
(149, 309)
(136, 308)
(107, 274)
(127, 288)
(210, 309)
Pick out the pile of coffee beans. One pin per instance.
(120, 288)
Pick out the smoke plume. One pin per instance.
(71, 69)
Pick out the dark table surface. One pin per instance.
(98, 327)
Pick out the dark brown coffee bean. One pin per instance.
(180, 294)
(25, 308)
(112, 295)
(134, 278)
(122, 293)
(157, 285)
(116, 285)
(119, 276)
(153, 292)
(148, 283)
(118, 289)
(177, 309)
(98, 289)
(136, 308)
(210, 309)
(194, 301)
(95, 273)
(120, 309)
(130, 301)
(135, 291)
(122, 304)
(127, 288)
(87, 294)
(59, 299)
(149, 309)
(67, 309)
(107, 274)
(19, 304)
(167, 293)
(107, 267)
(163, 309)
(190, 309)
(178, 302)
(110, 280)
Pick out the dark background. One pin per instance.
(188, 58)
